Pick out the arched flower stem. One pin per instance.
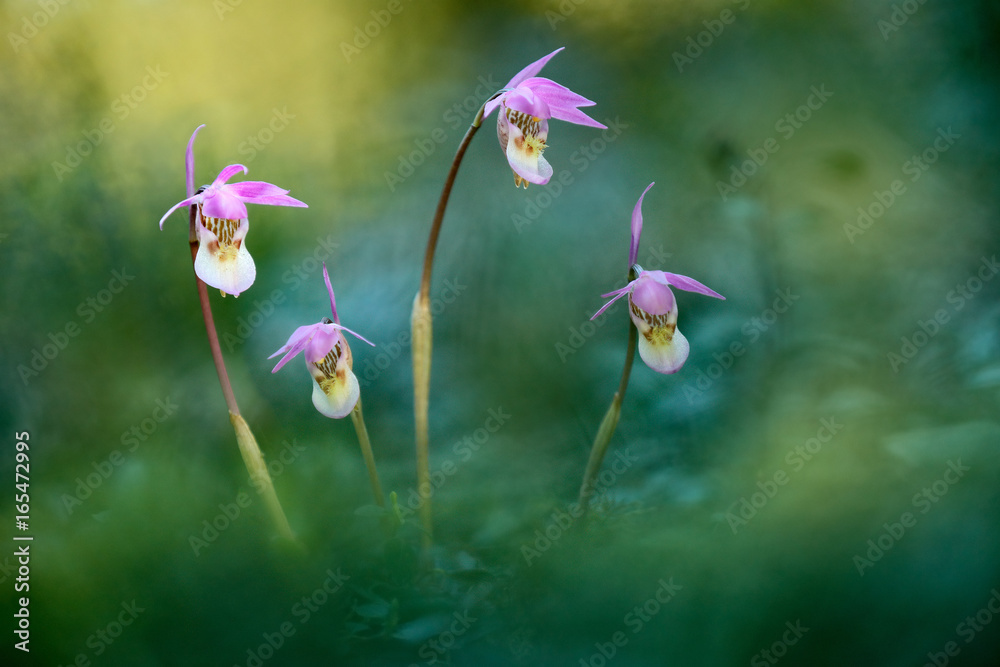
(422, 335)
(249, 449)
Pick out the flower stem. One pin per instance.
(422, 335)
(249, 449)
(610, 421)
(366, 451)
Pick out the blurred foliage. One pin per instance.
(302, 96)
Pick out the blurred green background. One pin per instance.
(765, 487)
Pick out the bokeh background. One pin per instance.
(854, 366)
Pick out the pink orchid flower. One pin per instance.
(526, 104)
(328, 358)
(223, 260)
(653, 308)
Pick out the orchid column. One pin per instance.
(526, 104)
(653, 311)
(218, 228)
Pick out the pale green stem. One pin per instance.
(249, 450)
(610, 421)
(422, 335)
(366, 451)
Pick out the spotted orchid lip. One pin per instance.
(223, 260)
(653, 306)
(526, 104)
(328, 358)
(222, 222)
(523, 139)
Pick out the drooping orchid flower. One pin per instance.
(223, 260)
(526, 104)
(653, 308)
(328, 358)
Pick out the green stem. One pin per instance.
(366, 451)
(422, 336)
(249, 449)
(610, 421)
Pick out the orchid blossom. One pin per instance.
(653, 308)
(526, 104)
(328, 358)
(223, 260)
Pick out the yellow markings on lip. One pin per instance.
(226, 249)
(529, 125)
(659, 329)
(328, 367)
(530, 143)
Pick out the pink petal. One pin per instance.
(532, 69)
(250, 189)
(259, 192)
(356, 335)
(562, 101)
(228, 173)
(329, 289)
(219, 202)
(525, 101)
(683, 282)
(652, 296)
(186, 202)
(633, 251)
(494, 103)
(189, 164)
(323, 340)
(618, 293)
(296, 342)
(526, 73)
